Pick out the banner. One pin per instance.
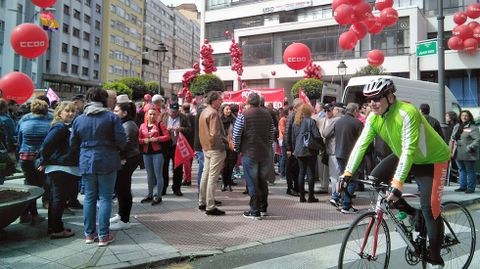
(274, 96)
(183, 151)
(52, 96)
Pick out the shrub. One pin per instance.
(118, 87)
(137, 85)
(312, 87)
(206, 83)
(151, 87)
(370, 70)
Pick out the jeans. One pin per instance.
(177, 172)
(154, 166)
(62, 185)
(35, 178)
(282, 161)
(200, 159)
(98, 187)
(348, 193)
(466, 175)
(256, 174)
(123, 187)
(213, 165)
(229, 164)
(307, 167)
(292, 173)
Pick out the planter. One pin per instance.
(15, 200)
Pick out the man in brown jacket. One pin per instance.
(212, 138)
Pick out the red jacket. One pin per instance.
(155, 132)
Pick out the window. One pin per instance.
(97, 41)
(96, 57)
(86, 36)
(88, 2)
(65, 28)
(74, 51)
(76, 14)
(64, 67)
(97, 25)
(85, 71)
(86, 54)
(65, 47)
(66, 10)
(76, 32)
(86, 19)
(74, 69)
(95, 74)
(98, 9)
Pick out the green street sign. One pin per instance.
(427, 47)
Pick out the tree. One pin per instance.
(119, 88)
(137, 85)
(151, 87)
(370, 70)
(312, 87)
(206, 83)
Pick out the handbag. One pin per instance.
(310, 143)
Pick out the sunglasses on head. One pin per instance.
(375, 98)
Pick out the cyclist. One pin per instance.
(416, 148)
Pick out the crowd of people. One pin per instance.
(62, 147)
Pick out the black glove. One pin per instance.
(343, 183)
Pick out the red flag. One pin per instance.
(303, 96)
(183, 151)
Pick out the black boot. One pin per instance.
(311, 187)
(302, 196)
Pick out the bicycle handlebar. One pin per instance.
(373, 181)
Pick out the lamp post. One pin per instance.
(161, 50)
(342, 71)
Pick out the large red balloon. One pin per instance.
(359, 29)
(16, 86)
(375, 57)
(383, 4)
(377, 27)
(362, 11)
(460, 17)
(29, 40)
(455, 43)
(347, 40)
(369, 22)
(462, 31)
(297, 56)
(473, 11)
(336, 3)
(344, 14)
(44, 3)
(470, 45)
(388, 16)
(476, 33)
(473, 24)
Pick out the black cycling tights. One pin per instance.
(385, 170)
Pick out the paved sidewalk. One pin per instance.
(176, 229)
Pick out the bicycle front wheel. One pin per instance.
(459, 241)
(358, 250)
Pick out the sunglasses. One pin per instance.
(375, 98)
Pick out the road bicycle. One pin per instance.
(367, 243)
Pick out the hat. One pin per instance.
(340, 105)
(157, 97)
(123, 98)
(174, 107)
(328, 107)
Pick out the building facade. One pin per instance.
(265, 28)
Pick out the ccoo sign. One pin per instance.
(29, 40)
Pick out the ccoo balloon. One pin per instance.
(388, 16)
(473, 11)
(455, 43)
(44, 3)
(16, 86)
(347, 40)
(362, 11)
(383, 4)
(344, 14)
(297, 56)
(470, 45)
(359, 29)
(375, 57)
(29, 40)
(460, 17)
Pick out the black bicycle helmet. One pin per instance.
(378, 86)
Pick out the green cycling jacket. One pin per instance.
(409, 136)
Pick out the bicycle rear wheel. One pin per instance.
(459, 242)
(360, 232)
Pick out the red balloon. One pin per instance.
(362, 11)
(347, 40)
(377, 27)
(16, 86)
(375, 57)
(473, 24)
(476, 33)
(297, 56)
(473, 11)
(336, 3)
(470, 45)
(369, 22)
(460, 17)
(359, 29)
(354, 2)
(344, 14)
(44, 3)
(29, 40)
(462, 31)
(227, 33)
(455, 43)
(383, 4)
(273, 73)
(388, 16)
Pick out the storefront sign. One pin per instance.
(287, 6)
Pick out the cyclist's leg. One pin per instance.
(435, 229)
(385, 169)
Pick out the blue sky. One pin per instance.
(176, 2)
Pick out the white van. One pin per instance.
(415, 92)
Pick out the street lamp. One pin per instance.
(342, 71)
(161, 51)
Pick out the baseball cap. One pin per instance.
(174, 107)
(328, 107)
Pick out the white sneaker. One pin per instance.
(115, 219)
(351, 210)
(438, 266)
(120, 225)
